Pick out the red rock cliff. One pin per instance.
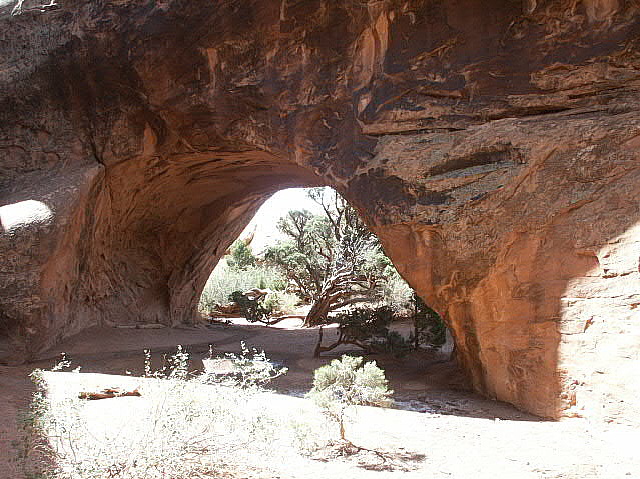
(492, 145)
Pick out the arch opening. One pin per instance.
(424, 360)
(307, 255)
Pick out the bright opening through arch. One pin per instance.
(307, 259)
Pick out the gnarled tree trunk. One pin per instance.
(341, 289)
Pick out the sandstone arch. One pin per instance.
(492, 146)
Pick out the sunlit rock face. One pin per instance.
(492, 145)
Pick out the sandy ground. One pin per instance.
(459, 433)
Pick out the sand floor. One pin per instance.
(459, 433)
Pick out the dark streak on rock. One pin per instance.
(478, 158)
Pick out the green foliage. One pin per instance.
(396, 344)
(365, 324)
(281, 302)
(346, 382)
(295, 265)
(253, 310)
(332, 258)
(429, 328)
(241, 256)
(369, 329)
(33, 452)
(396, 292)
(306, 257)
(225, 280)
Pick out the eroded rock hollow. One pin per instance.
(492, 145)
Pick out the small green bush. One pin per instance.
(347, 382)
(225, 280)
(253, 310)
(241, 256)
(428, 327)
(367, 328)
(281, 302)
(396, 344)
(366, 324)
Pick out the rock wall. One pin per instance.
(492, 145)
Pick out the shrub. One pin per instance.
(366, 324)
(253, 309)
(367, 328)
(428, 327)
(175, 366)
(225, 280)
(396, 344)
(241, 256)
(33, 452)
(181, 428)
(347, 382)
(281, 302)
(396, 292)
(248, 369)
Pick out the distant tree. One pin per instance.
(306, 256)
(332, 258)
(428, 327)
(367, 328)
(241, 256)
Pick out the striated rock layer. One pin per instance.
(492, 145)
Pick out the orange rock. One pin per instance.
(492, 147)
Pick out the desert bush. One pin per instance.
(396, 292)
(248, 369)
(428, 327)
(33, 452)
(264, 308)
(180, 427)
(394, 343)
(225, 280)
(367, 328)
(347, 382)
(253, 309)
(281, 302)
(175, 366)
(241, 256)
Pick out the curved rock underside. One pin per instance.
(493, 145)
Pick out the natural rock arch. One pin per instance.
(492, 146)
